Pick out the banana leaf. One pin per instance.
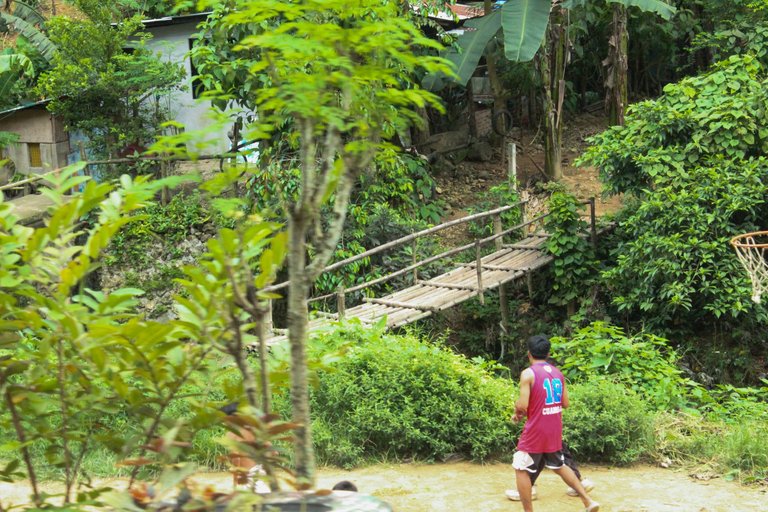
(28, 13)
(524, 23)
(472, 44)
(659, 7)
(32, 34)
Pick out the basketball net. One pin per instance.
(752, 250)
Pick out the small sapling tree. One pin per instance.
(73, 359)
(336, 78)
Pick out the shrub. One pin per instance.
(644, 363)
(167, 225)
(398, 396)
(694, 158)
(607, 422)
(733, 449)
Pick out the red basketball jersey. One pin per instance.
(543, 431)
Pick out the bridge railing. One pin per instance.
(497, 238)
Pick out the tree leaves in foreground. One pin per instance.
(334, 81)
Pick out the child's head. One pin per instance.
(538, 346)
(345, 485)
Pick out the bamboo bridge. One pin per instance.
(506, 263)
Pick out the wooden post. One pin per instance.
(471, 110)
(512, 165)
(526, 229)
(479, 268)
(268, 323)
(414, 260)
(503, 303)
(529, 282)
(340, 302)
(593, 222)
(264, 331)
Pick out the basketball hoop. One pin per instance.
(752, 250)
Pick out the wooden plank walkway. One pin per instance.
(447, 290)
(30, 209)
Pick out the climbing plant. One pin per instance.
(574, 260)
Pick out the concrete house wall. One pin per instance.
(35, 126)
(172, 40)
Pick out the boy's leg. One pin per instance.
(539, 469)
(514, 494)
(524, 486)
(568, 460)
(569, 477)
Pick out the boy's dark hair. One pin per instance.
(345, 485)
(539, 346)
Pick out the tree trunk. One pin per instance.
(553, 77)
(298, 314)
(616, 85)
(499, 97)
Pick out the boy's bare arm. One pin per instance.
(521, 405)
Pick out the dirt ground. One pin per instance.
(468, 487)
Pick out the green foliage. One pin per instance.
(607, 422)
(674, 263)
(369, 226)
(8, 138)
(741, 28)
(696, 123)
(148, 9)
(735, 450)
(166, 226)
(84, 378)
(693, 157)
(398, 396)
(15, 69)
(643, 363)
(403, 182)
(27, 22)
(111, 95)
(78, 356)
(574, 258)
(496, 197)
(735, 405)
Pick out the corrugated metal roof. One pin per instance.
(24, 107)
(176, 20)
(455, 12)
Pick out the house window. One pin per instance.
(35, 158)
(196, 85)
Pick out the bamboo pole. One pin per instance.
(408, 238)
(503, 302)
(479, 270)
(450, 286)
(398, 304)
(341, 305)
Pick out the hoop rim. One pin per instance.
(739, 242)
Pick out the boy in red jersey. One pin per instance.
(543, 396)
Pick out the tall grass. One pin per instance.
(733, 449)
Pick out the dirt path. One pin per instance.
(476, 488)
(469, 487)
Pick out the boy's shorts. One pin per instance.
(530, 462)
